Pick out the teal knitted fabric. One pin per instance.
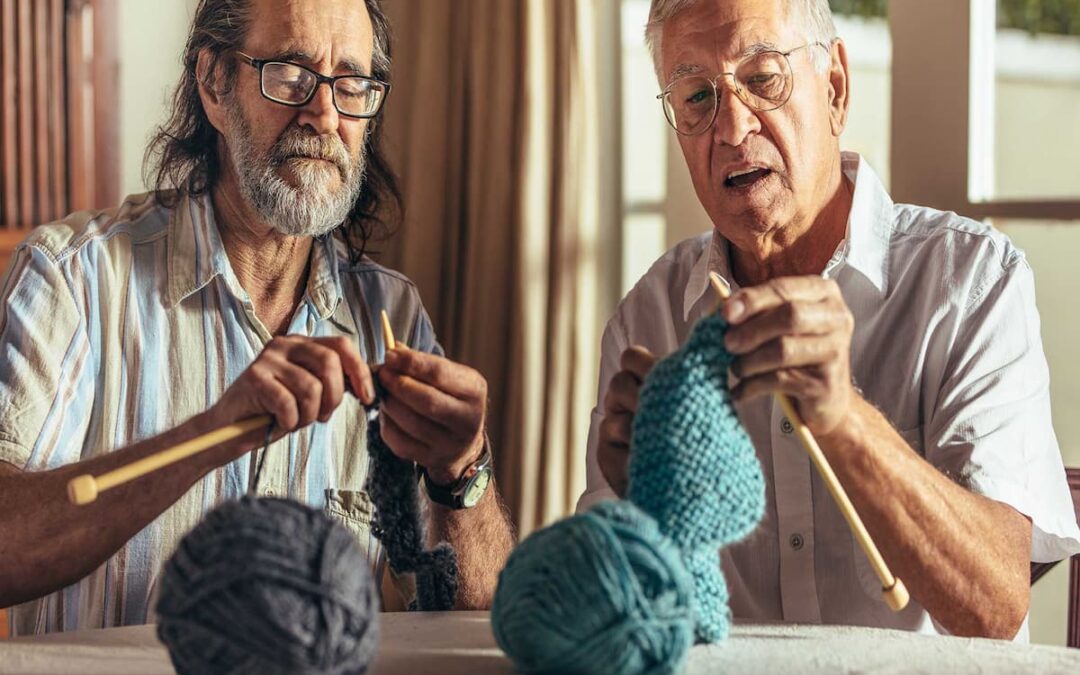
(693, 468)
(624, 588)
(601, 592)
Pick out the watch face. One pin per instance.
(474, 492)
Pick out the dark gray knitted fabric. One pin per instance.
(268, 586)
(394, 489)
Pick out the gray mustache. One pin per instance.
(315, 147)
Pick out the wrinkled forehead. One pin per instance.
(337, 33)
(712, 36)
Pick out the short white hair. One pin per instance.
(816, 15)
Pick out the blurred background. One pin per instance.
(541, 180)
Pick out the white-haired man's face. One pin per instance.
(300, 168)
(756, 172)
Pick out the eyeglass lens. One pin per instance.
(762, 82)
(290, 84)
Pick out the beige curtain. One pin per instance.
(491, 126)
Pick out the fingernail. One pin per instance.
(392, 355)
(731, 343)
(734, 310)
(369, 392)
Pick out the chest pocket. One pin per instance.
(355, 510)
(864, 571)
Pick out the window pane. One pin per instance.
(869, 48)
(643, 242)
(1037, 99)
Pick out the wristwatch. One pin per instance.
(467, 491)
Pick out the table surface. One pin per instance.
(461, 642)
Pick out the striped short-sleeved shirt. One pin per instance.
(119, 325)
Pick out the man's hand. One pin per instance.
(434, 412)
(298, 380)
(793, 335)
(620, 405)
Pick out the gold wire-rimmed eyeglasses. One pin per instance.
(763, 81)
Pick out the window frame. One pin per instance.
(942, 153)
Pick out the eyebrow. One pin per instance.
(754, 49)
(304, 57)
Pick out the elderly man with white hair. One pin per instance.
(907, 337)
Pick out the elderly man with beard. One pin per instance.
(244, 291)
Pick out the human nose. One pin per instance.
(735, 120)
(320, 113)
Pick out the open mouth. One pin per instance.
(746, 178)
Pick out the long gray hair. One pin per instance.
(184, 151)
(816, 15)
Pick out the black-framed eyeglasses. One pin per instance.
(763, 81)
(294, 85)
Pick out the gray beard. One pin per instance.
(310, 209)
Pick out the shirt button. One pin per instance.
(785, 426)
(796, 541)
(270, 492)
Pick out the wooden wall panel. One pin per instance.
(9, 156)
(59, 136)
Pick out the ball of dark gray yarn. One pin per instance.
(268, 586)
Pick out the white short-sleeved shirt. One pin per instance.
(946, 345)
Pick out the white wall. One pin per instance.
(152, 36)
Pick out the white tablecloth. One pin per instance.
(461, 642)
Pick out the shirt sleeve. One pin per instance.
(612, 345)
(991, 427)
(423, 333)
(46, 391)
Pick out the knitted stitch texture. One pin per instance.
(399, 525)
(693, 468)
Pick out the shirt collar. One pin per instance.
(196, 256)
(865, 248)
(195, 253)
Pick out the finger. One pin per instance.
(748, 302)
(614, 460)
(401, 443)
(415, 425)
(786, 352)
(455, 379)
(617, 428)
(796, 318)
(304, 387)
(637, 360)
(799, 383)
(427, 401)
(622, 393)
(324, 364)
(276, 399)
(353, 365)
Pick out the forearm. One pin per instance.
(483, 538)
(964, 557)
(47, 543)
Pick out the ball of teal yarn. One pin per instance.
(692, 466)
(268, 586)
(600, 592)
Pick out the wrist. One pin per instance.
(447, 474)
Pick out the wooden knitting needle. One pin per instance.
(387, 332)
(896, 594)
(85, 489)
